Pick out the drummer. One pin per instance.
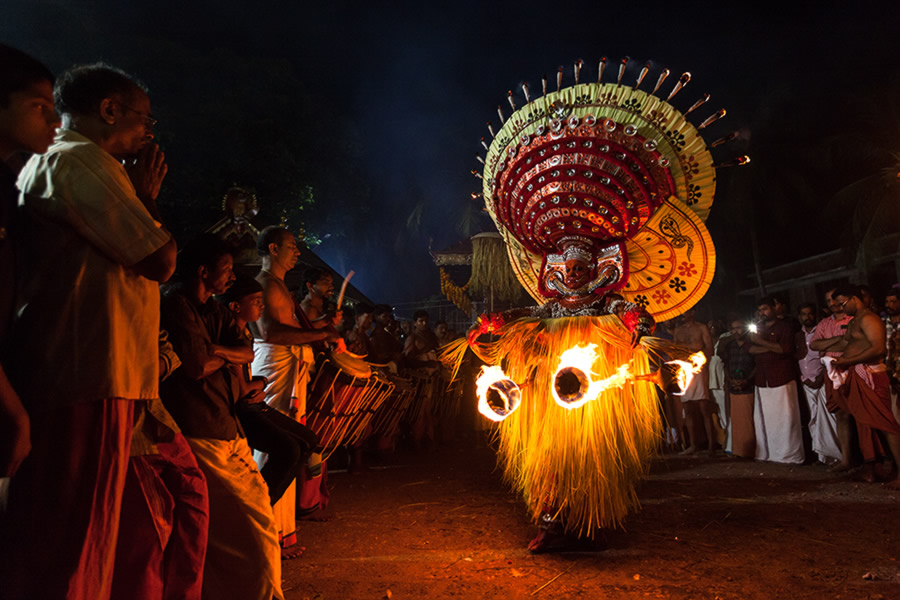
(358, 337)
(282, 355)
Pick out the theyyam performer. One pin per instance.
(600, 191)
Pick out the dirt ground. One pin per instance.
(443, 525)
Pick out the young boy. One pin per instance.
(281, 443)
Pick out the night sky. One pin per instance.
(376, 113)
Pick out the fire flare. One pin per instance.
(687, 370)
(498, 395)
(574, 384)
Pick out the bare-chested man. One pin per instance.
(867, 385)
(696, 399)
(283, 356)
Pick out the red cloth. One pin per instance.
(164, 526)
(871, 407)
(59, 535)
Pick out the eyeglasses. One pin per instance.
(149, 120)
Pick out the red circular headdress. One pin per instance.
(608, 176)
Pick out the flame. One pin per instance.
(686, 371)
(582, 358)
(490, 377)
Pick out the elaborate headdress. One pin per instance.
(602, 186)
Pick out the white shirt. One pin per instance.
(89, 325)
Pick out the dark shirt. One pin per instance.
(204, 407)
(9, 198)
(774, 369)
(739, 364)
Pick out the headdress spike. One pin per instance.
(477, 174)
(622, 66)
(659, 82)
(479, 159)
(559, 74)
(643, 74)
(712, 118)
(500, 112)
(724, 139)
(601, 69)
(526, 92)
(578, 64)
(512, 102)
(683, 81)
(491, 130)
(697, 104)
(738, 161)
(483, 143)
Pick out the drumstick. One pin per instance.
(344, 288)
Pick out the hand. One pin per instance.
(842, 364)
(337, 318)
(147, 173)
(340, 345)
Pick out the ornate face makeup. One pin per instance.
(577, 273)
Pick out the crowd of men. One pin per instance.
(152, 440)
(155, 441)
(814, 387)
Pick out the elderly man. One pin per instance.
(88, 331)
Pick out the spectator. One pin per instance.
(27, 124)
(776, 411)
(822, 424)
(696, 400)
(243, 558)
(740, 370)
(91, 318)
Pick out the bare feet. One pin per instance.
(292, 551)
(688, 450)
(318, 516)
(893, 484)
(839, 467)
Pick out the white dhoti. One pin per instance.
(822, 426)
(724, 416)
(698, 388)
(776, 419)
(243, 559)
(287, 369)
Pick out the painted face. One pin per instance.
(250, 307)
(221, 276)
(28, 122)
(577, 273)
